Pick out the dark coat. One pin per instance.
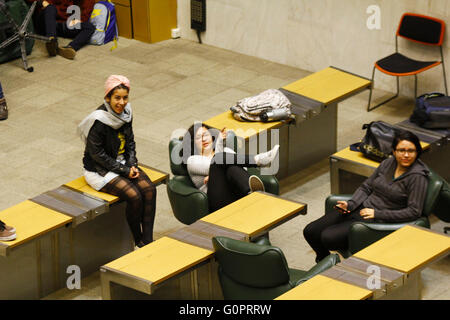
(102, 146)
(394, 200)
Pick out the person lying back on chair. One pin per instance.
(219, 171)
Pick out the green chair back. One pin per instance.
(435, 183)
(251, 271)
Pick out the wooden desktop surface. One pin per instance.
(159, 260)
(254, 213)
(242, 129)
(323, 288)
(31, 220)
(407, 249)
(328, 85)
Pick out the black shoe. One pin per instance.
(3, 109)
(67, 52)
(52, 47)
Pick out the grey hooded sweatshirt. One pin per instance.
(394, 200)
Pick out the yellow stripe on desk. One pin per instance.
(31, 220)
(406, 249)
(243, 129)
(324, 288)
(160, 260)
(253, 213)
(327, 85)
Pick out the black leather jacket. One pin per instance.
(102, 146)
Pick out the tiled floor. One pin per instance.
(173, 83)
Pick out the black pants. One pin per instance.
(330, 232)
(228, 180)
(47, 25)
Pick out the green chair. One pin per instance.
(249, 271)
(442, 208)
(188, 203)
(363, 234)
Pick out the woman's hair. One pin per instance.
(408, 136)
(189, 139)
(120, 86)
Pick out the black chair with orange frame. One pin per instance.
(419, 29)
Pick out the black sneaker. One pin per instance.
(3, 109)
(67, 52)
(52, 47)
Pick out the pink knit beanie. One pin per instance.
(115, 80)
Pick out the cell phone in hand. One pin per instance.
(341, 210)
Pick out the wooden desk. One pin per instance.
(187, 252)
(29, 263)
(256, 214)
(149, 267)
(329, 85)
(80, 184)
(324, 288)
(243, 130)
(408, 250)
(313, 135)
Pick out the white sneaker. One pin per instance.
(265, 159)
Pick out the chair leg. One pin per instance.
(385, 101)
(443, 71)
(415, 86)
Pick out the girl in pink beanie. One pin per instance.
(110, 163)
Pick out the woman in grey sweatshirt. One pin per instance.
(395, 192)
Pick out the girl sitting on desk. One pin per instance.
(395, 192)
(110, 163)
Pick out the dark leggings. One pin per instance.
(140, 195)
(228, 181)
(46, 24)
(330, 232)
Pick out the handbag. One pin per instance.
(377, 142)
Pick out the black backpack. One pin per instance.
(432, 111)
(377, 142)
